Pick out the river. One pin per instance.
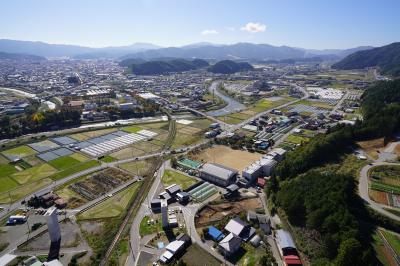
(232, 107)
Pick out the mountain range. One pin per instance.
(387, 58)
(238, 51)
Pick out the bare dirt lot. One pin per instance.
(371, 147)
(214, 212)
(226, 156)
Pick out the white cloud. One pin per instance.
(209, 32)
(254, 27)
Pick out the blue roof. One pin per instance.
(215, 233)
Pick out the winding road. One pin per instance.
(363, 188)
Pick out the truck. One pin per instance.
(16, 219)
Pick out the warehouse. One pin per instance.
(218, 174)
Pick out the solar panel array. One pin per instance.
(120, 140)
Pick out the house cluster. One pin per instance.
(175, 248)
(237, 232)
(47, 200)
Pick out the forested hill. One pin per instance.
(229, 67)
(387, 58)
(324, 203)
(159, 67)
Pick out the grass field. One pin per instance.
(394, 241)
(78, 156)
(182, 139)
(6, 170)
(196, 256)
(147, 229)
(113, 206)
(382, 253)
(136, 167)
(34, 173)
(7, 183)
(252, 255)
(173, 177)
(296, 139)
(108, 159)
(64, 162)
(21, 151)
(132, 129)
(394, 211)
(127, 153)
(72, 170)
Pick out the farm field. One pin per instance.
(24, 190)
(393, 239)
(72, 170)
(127, 153)
(113, 206)
(139, 168)
(132, 129)
(21, 152)
(385, 187)
(318, 104)
(227, 156)
(173, 177)
(7, 183)
(92, 134)
(387, 174)
(63, 163)
(296, 139)
(34, 173)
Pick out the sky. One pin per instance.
(317, 24)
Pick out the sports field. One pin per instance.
(173, 177)
(113, 206)
(224, 155)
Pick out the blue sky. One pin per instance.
(300, 23)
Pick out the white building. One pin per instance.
(263, 167)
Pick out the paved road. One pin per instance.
(144, 210)
(363, 187)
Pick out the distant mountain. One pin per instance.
(229, 67)
(14, 56)
(62, 50)
(163, 67)
(234, 51)
(387, 58)
(238, 51)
